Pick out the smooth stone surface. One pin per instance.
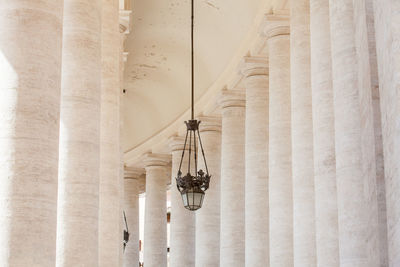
(255, 71)
(208, 217)
(326, 214)
(182, 225)
(232, 248)
(354, 137)
(155, 218)
(304, 243)
(387, 19)
(280, 147)
(131, 209)
(79, 163)
(30, 70)
(110, 206)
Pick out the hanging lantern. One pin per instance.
(194, 183)
(193, 186)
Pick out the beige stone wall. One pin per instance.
(30, 69)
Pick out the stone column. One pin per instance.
(354, 136)
(208, 217)
(155, 220)
(131, 209)
(232, 246)
(255, 71)
(326, 217)
(78, 190)
(110, 162)
(30, 67)
(182, 225)
(387, 17)
(280, 152)
(304, 244)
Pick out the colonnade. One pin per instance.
(59, 127)
(304, 150)
(297, 158)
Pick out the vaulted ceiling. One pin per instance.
(157, 73)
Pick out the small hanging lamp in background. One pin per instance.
(194, 183)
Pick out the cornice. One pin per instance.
(255, 65)
(210, 123)
(276, 25)
(133, 173)
(232, 98)
(156, 160)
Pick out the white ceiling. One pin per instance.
(157, 74)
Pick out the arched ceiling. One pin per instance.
(157, 73)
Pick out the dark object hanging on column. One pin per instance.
(126, 233)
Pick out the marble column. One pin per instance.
(232, 246)
(182, 225)
(155, 220)
(304, 243)
(354, 136)
(368, 6)
(110, 163)
(255, 71)
(326, 214)
(131, 208)
(387, 18)
(30, 67)
(208, 217)
(79, 163)
(280, 151)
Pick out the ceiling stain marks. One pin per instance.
(147, 66)
(211, 5)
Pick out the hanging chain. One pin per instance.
(192, 48)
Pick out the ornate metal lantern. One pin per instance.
(194, 183)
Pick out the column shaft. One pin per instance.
(182, 225)
(232, 248)
(280, 154)
(304, 244)
(380, 170)
(387, 18)
(208, 217)
(30, 67)
(78, 191)
(354, 136)
(110, 191)
(155, 221)
(326, 217)
(131, 208)
(257, 204)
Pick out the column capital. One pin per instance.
(276, 25)
(133, 173)
(177, 143)
(210, 123)
(251, 66)
(156, 160)
(232, 98)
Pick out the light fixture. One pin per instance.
(193, 186)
